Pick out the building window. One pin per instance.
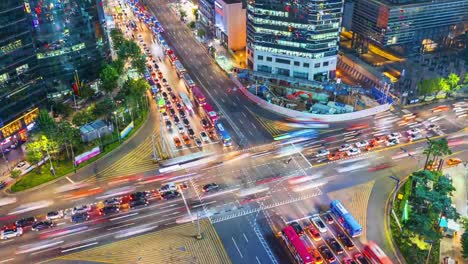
(281, 71)
(296, 63)
(301, 75)
(325, 63)
(260, 57)
(264, 68)
(317, 65)
(306, 65)
(269, 59)
(283, 61)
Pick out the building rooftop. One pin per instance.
(232, 1)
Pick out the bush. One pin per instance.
(192, 25)
(15, 173)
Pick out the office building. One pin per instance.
(206, 11)
(230, 23)
(407, 27)
(296, 39)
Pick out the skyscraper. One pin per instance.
(296, 38)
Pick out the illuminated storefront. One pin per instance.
(17, 130)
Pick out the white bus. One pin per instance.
(179, 68)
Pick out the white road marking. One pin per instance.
(6, 260)
(203, 204)
(116, 227)
(245, 237)
(82, 246)
(123, 216)
(69, 180)
(238, 250)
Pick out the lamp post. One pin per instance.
(117, 125)
(50, 160)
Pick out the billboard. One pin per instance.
(126, 130)
(87, 155)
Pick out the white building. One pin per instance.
(230, 23)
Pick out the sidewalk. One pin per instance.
(451, 247)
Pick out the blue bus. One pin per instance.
(225, 137)
(346, 220)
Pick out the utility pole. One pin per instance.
(199, 235)
(50, 160)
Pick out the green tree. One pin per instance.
(86, 91)
(46, 123)
(436, 148)
(104, 107)
(192, 24)
(82, 118)
(443, 84)
(119, 65)
(69, 137)
(15, 173)
(464, 241)
(465, 80)
(195, 13)
(201, 33)
(139, 63)
(117, 38)
(452, 80)
(109, 77)
(37, 149)
(60, 108)
(183, 14)
(129, 49)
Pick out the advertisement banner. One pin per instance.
(87, 155)
(126, 130)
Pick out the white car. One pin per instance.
(362, 144)
(204, 137)
(413, 137)
(198, 142)
(394, 135)
(81, 209)
(165, 116)
(353, 151)
(21, 164)
(322, 153)
(413, 131)
(345, 147)
(181, 128)
(55, 215)
(432, 127)
(392, 142)
(11, 233)
(319, 224)
(168, 187)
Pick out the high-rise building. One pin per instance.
(407, 26)
(230, 27)
(294, 38)
(21, 86)
(206, 10)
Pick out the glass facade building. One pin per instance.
(407, 26)
(294, 38)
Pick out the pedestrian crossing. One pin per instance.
(172, 245)
(136, 161)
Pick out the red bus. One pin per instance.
(210, 113)
(376, 254)
(188, 81)
(172, 57)
(296, 246)
(199, 97)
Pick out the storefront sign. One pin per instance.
(87, 155)
(126, 130)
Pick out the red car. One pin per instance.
(315, 233)
(336, 156)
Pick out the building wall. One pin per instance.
(298, 40)
(231, 20)
(206, 11)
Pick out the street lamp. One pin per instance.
(117, 125)
(50, 160)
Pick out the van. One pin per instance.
(168, 187)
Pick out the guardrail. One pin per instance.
(297, 114)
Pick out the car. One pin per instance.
(6, 150)
(3, 184)
(205, 123)
(362, 144)
(168, 124)
(353, 151)
(322, 153)
(348, 260)
(181, 128)
(394, 135)
(113, 201)
(336, 156)
(11, 232)
(164, 81)
(177, 142)
(360, 258)
(318, 258)
(170, 195)
(210, 187)
(414, 137)
(21, 164)
(335, 246)
(179, 106)
(326, 253)
(392, 142)
(191, 132)
(160, 75)
(186, 139)
(168, 187)
(169, 89)
(176, 119)
(453, 161)
(314, 233)
(345, 147)
(139, 195)
(164, 94)
(379, 140)
(172, 112)
(328, 218)
(346, 241)
(168, 104)
(319, 224)
(182, 113)
(80, 217)
(204, 137)
(27, 221)
(297, 228)
(198, 142)
(81, 209)
(165, 116)
(212, 134)
(156, 66)
(109, 209)
(138, 203)
(53, 215)
(41, 225)
(413, 131)
(174, 98)
(432, 127)
(186, 122)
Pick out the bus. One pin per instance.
(346, 220)
(210, 113)
(154, 90)
(187, 102)
(185, 159)
(296, 246)
(189, 83)
(164, 46)
(198, 96)
(375, 253)
(160, 39)
(225, 137)
(172, 57)
(179, 68)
